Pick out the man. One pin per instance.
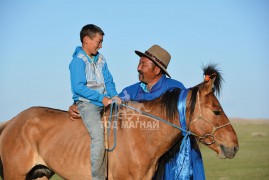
(152, 69)
(152, 76)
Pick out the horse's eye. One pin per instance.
(217, 112)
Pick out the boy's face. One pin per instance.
(91, 46)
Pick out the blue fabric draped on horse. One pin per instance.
(187, 162)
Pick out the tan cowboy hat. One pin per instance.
(158, 55)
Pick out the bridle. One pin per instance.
(209, 136)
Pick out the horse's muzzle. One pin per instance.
(228, 152)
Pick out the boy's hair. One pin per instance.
(90, 30)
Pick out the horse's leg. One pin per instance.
(16, 168)
(10, 174)
(18, 157)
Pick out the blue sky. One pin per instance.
(37, 39)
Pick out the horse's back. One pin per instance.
(41, 123)
(39, 134)
(32, 119)
(38, 112)
(30, 125)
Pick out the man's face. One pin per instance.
(145, 69)
(93, 45)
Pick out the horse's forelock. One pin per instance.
(213, 71)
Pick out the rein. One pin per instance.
(201, 139)
(114, 126)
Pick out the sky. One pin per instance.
(38, 38)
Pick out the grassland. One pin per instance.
(252, 159)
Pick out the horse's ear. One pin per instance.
(208, 83)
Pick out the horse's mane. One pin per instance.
(170, 98)
(169, 102)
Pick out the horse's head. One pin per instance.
(207, 118)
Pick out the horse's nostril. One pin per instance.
(223, 149)
(236, 149)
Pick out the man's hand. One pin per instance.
(117, 100)
(106, 101)
(73, 112)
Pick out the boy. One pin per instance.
(92, 87)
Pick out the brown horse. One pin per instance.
(40, 141)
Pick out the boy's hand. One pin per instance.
(117, 99)
(73, 112)
(106, 101)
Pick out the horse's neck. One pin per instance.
(189, 117)
(142, 134)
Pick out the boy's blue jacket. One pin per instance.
(91, 80)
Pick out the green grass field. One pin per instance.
(251, 161)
